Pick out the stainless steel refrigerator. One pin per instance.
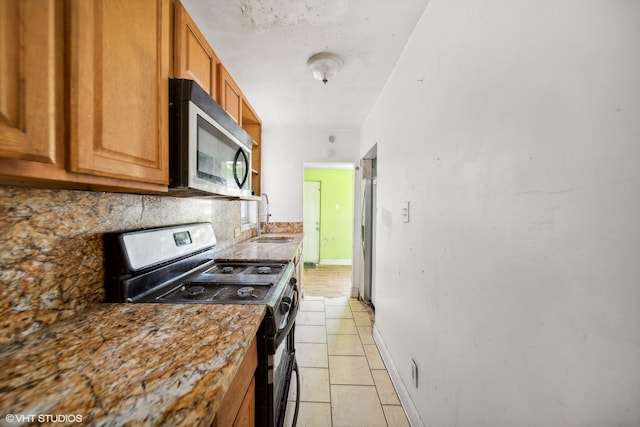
(367, 256)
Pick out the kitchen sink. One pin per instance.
(273, 240)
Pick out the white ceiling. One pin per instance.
(265, 45)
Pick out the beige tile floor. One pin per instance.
(343, 378)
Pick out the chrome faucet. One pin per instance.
(266, 216)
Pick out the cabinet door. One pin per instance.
(119, 68)
(194, 58)
(238, 404)
(230, 95)
(247, 413)
(252, 124)
(31, 81)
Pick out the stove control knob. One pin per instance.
(285, 305)
(293, 281)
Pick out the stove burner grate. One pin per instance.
(217, 292)
(245, 292)
(193, 291)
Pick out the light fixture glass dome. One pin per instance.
(325, 66)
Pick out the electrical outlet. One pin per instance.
(414, 372)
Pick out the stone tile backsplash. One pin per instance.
(282, 227)
(51, 246)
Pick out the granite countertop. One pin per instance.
(286, 249)
(117, 364)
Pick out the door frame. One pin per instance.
(312, 232)
(344, 166)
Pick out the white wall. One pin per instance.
(513, 128)
(283, 156)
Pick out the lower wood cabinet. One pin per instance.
(298, 261)
(238, 407)
(247, 413)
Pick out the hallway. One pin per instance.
(330, 281)
(344, 380)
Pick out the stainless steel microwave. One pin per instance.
(209, 153)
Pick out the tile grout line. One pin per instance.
(326, 330)
(366, 359)
(384, 414)
(344, 357)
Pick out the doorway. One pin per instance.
(328, 208)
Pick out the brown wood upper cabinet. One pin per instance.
(32, 81)
(84, 91)
(119, 70)
(194, 59)
(84, 94)
(253, 126)
(230, 96)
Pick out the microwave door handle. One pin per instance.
(239, 153)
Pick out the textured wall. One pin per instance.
(284, 155)
(51, 246)
(513, 129)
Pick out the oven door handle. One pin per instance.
(297, 371)
(293, 312)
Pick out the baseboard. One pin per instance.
(335, 262)
(403, 394)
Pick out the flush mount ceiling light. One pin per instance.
(325, 66)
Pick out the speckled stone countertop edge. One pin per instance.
(251, 250)
(141, 364)
(150, 364)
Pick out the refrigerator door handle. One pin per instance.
(363, 217)
(363, 240)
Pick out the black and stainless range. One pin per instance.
(176, 265)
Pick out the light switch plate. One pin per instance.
(405, 211)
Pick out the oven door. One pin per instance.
(276, 362)
(283, 365)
